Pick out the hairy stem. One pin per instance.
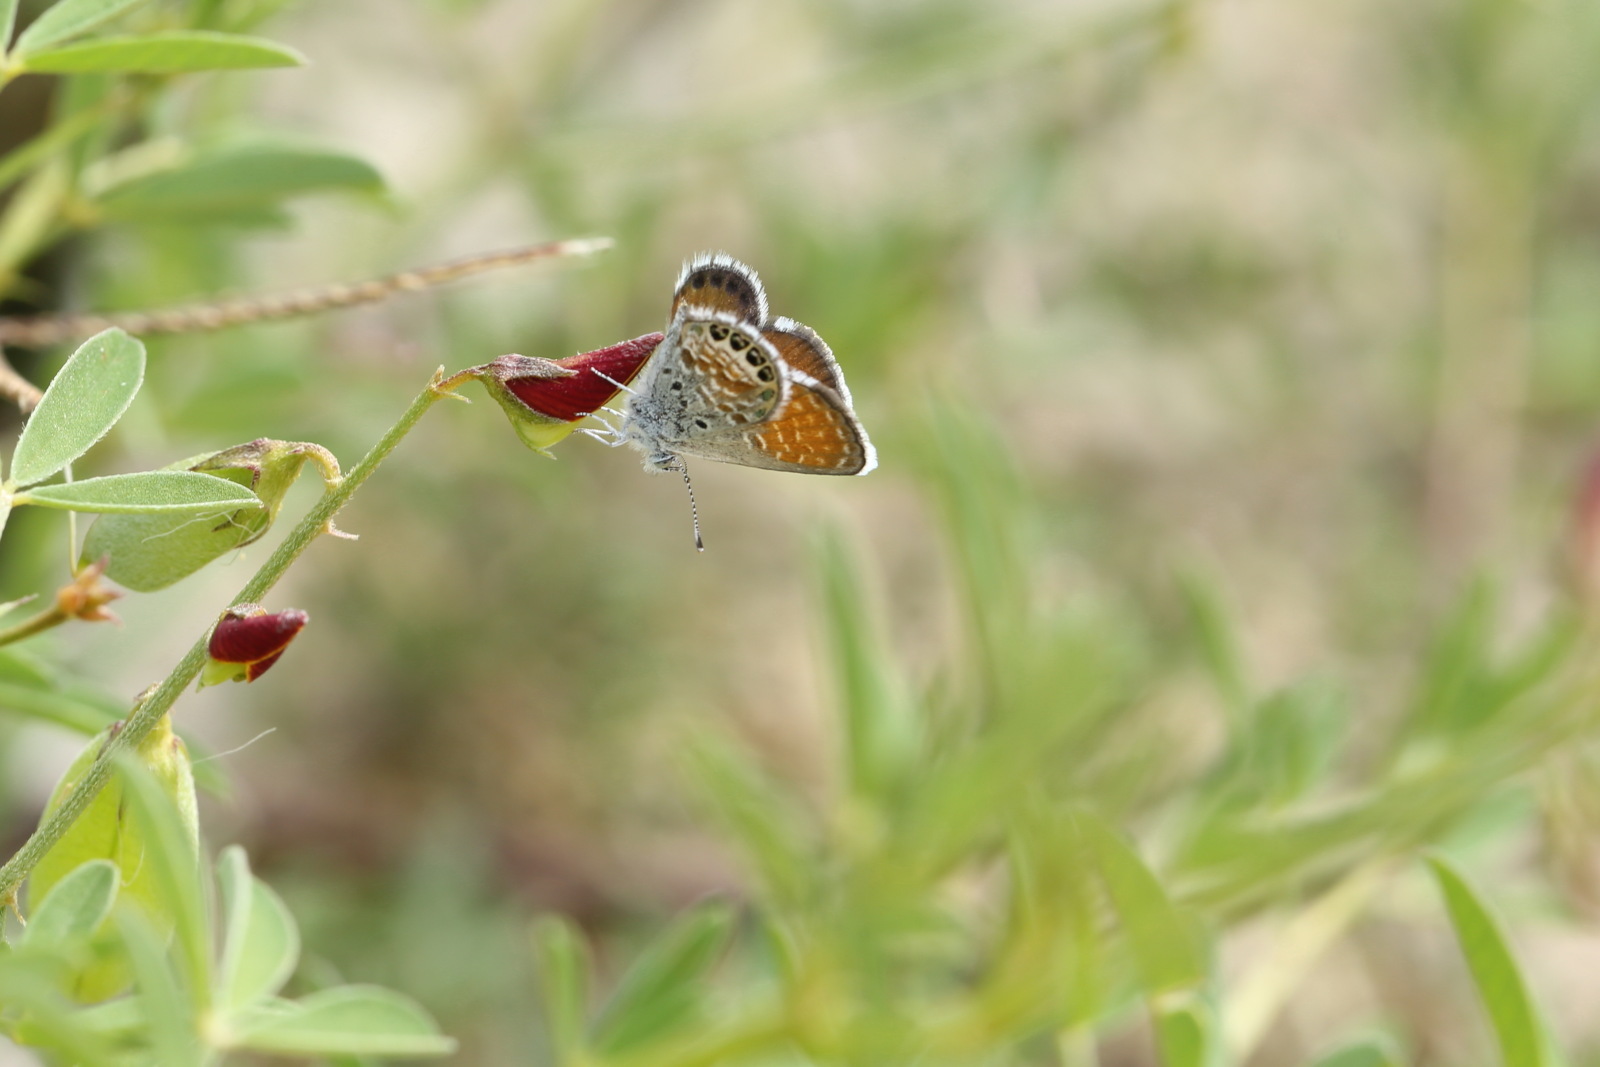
(148, 712)
(39, 623)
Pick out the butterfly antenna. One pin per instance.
(694, 512)
(620, 385)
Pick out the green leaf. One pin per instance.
(1165, 947)
(173, 1029)
(68, 19)
(28, 985)
(150, 552)
(564, 972)
(1370, 1052)
(8, 22)
(171, 52)
(261, 943)
(240, 182)
(1494, 970)
(77, 904)
(49, 704)
(146, 492)
(659, 991)
(349, 1021)
(158, 790)
(85, 399)
(880, 731)
(1218, 639)
(1186, 1034)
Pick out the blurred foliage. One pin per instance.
(1233, 370)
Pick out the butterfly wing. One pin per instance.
(711, 375)
(814, 432)
(715, 281)
(807, 353)
(726, 384)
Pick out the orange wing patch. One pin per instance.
(813, 433)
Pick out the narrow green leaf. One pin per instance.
(173, 1029)
(769, 823)
(564, 972)
(1370, 1052)
(77, 904)
(48, 144)
(163, 818)
(8, 22)
(1165, 947)
(85, 399)
(1494, 970)
(261, 943)
(170, 52)
(48, 704)
(28, 987)
(879, 731)
(659, 991)
(242, 181)
(1218, 639)
(348, 1021)
(146, 492)
(1186, 1033)
(68, 19)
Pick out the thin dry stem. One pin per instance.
(57, 329)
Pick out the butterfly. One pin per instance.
(730, 383)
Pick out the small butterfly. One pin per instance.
(730, 383)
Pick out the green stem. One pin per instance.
(149, 711)
(38, 624)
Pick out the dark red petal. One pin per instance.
(258, 668)
(248, 638)
(570, 399)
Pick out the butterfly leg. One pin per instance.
(611, 433)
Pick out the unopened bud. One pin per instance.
(247, 640)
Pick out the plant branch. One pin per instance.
(17, 389)
(149, 711)
(50, 617)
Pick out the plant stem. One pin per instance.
(149, 711)
(52, 616)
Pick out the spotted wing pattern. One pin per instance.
(717, 282)
(731, 385)
(734, 378)
(814, 433)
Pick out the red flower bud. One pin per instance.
(592, 384)
(544, 398)
(248, 640)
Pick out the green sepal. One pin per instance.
(537, 430)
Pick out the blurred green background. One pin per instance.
(1234, 366)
